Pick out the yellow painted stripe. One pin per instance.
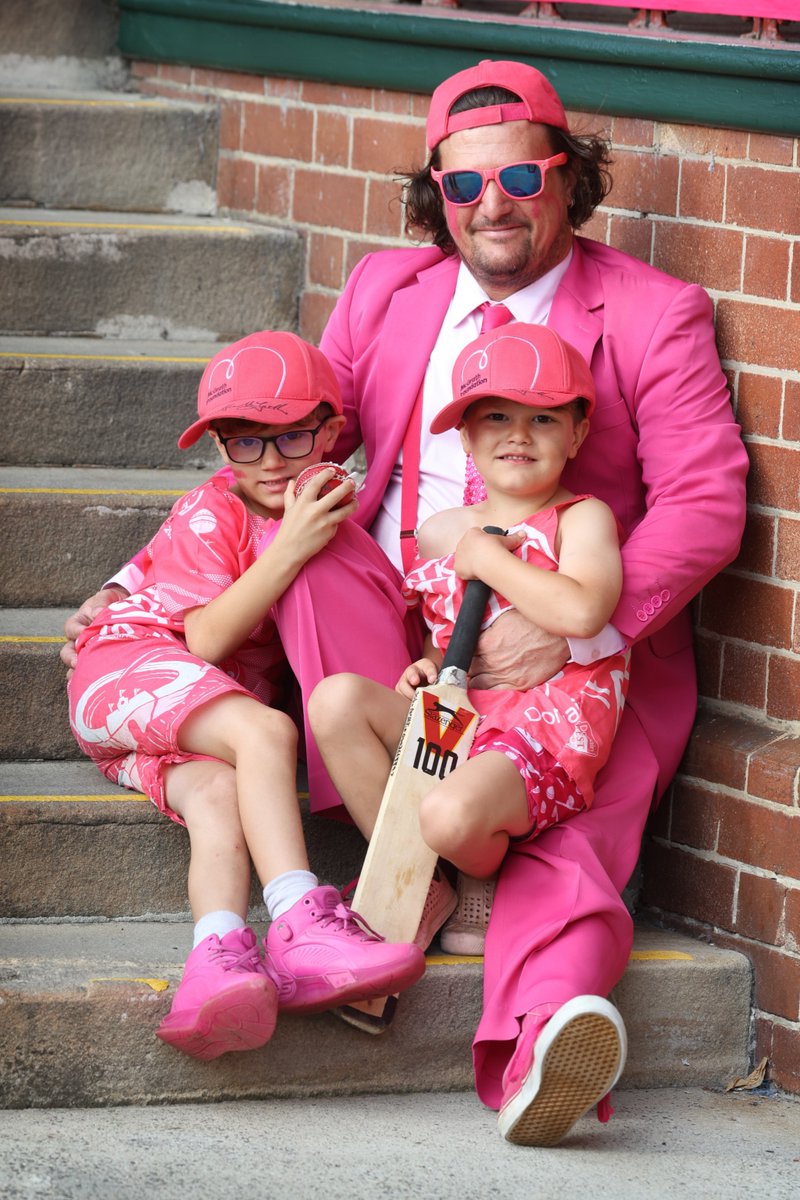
(40, 799)
(451, 960)
(146, 228)
(158, 985)
(54, 491)
(72, 103)
(133, 358)
(24, 637)
(660, 956)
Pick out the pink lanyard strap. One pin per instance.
(409, 489)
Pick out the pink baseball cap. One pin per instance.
(527, 363)
(538, 100)
(272, 378)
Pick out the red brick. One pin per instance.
(767, 148)
(760, 198)
(775, 771)
(763, 1041)
(384, 211)
(785, 1060)
(631, 131)
(696, 815)
(387, 147)
(783, 690)
(748, 332)
(791, 409)
(702, 192)
(758, 404)
(697, 139)
(170, 73)
(230, 81)
(720, 748)
(230, 125)
(787, 559)
(766, 267)
(315, 308)
(420, 105)
(777, 978)
(792, 919)
(744, 676)
(332, 140)
(325, 260)
(356, 249)
(795, 292)
(708, 656)
(398, 103)
(598, 226)
(274, 190)
(750, 610)
(236, 184)
(761, 836)
(283, 89)
(760, 906)
(711, 257)
(757, 553)
(646, 183)
(319, 196)
(278, 131)
(634, 235)
(337, 95)
(774, 476)
(680, 882)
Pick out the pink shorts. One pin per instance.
(553, 795)
(128, 698)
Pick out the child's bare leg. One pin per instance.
(470, 816)
(357, 724)
(261, 743)
(203, 793)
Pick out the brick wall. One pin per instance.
(714, 206)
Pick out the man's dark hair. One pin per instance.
(588, 156)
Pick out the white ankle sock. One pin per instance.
(285, 890)
(219, 922)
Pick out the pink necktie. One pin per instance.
(492, 315)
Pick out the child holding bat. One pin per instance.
(182, 690)
(522, 401)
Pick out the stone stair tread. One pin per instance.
(103, 349)
(59, 222)
(81, 1001)
(101, 480)
(34, 93)
(23, 623)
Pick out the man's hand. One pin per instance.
(74, 625)
(514, 653)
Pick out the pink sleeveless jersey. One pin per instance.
(574, 714)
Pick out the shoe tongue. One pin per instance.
(239, 939)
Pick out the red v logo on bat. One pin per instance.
(444, 726)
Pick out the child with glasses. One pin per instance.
(522, 398)
(183, 690)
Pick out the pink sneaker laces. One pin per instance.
(248, 959)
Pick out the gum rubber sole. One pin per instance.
(578, 1069)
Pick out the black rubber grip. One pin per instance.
(468, 622)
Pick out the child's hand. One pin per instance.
(310, 520)
(423, 671)
(476, 548)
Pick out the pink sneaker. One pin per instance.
(562, 1066)
(320, 957)
(440, 902)
(225, 1000)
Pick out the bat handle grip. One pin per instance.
(468, 625)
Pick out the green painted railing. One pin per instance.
(737, 85)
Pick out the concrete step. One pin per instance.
(33, 700)
(73, 845)
(81, 1001)
(144, 276)
(67, 530)
(60, 43)
(101, 402)
(96, 150)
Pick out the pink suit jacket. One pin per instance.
(663, 451)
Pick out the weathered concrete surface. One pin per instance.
(686, 1006)
(139, 276)
(101, 403)
(664, 1145)
(108, 151)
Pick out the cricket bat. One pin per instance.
(436, 738)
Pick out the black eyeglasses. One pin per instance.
(295, 443)
(519, 181)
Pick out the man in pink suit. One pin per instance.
(505, 189)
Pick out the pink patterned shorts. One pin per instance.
(128, 698)
(553, 795)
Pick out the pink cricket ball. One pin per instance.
(308, 474)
